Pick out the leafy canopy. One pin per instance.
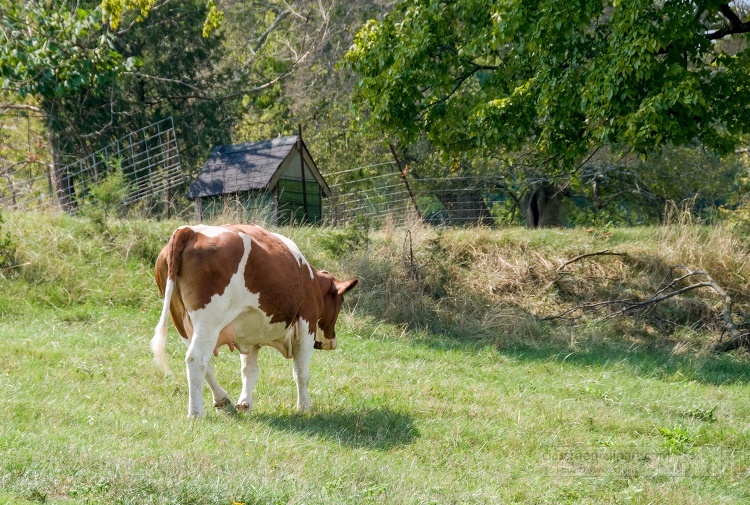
(556, 77)
(54, 53)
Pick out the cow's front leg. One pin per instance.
(197, 360)
(301, 369)
(250, 374)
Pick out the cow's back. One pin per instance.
(210, 258)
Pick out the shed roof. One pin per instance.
(241, 167)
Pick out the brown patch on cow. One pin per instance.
(209, 263)
(281, 282)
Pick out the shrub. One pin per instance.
(108, 195)
(354, 236)
(7, 248)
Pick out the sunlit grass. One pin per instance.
(405, 411)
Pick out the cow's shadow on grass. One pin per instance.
(377, 428)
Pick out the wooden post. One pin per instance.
(302, 165)
(198, 209)
(64, 191)
(12, 192)
(169, 196)
(165, 167)
(406, 182)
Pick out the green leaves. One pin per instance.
(112, 11)
(55, 53)
(213, 18)
(632, 74)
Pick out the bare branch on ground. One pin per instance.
(669, 288)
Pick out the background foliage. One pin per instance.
(609, 113)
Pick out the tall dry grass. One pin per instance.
(500, 285)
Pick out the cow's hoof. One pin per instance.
(224, 405)
(243, 407)
(194, 415)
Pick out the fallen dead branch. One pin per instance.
(561, 269)
(605, 252)
(670, 287)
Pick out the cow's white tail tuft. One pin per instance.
(159, 342)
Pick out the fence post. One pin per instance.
(198, 209)
(302, 166)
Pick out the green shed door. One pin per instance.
(291, 201)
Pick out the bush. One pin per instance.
(355, 236)
(108, 195)
(7, 248)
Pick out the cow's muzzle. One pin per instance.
(325, 344)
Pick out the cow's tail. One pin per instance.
(159, 342)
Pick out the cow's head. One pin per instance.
(333, 296)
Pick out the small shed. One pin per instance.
(276, 177)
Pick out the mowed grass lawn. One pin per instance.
(400, 417)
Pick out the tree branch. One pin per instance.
(261, 40)
(729, 30)
(731, 16)
(20, 106)
(459, 82)
(605, 252)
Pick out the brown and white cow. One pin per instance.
(244, 287)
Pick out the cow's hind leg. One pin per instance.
(198, 363)
(221, 398)
(250, 374)
(301, 368)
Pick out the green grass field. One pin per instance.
(404, 412)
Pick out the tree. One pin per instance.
(556, 80)
(57, 55)
(98, 71)
(318, 96)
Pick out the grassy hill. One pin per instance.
(448, 386)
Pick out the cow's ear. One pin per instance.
(343, 287)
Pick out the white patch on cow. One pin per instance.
(223, 308)
(209, 321)
(296, 252)
(208, 231)
(253, 327)
(325, 344)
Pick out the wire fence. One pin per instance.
(141, 175)
(400, 197)
(145, 163)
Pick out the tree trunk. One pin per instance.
(541, 206)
